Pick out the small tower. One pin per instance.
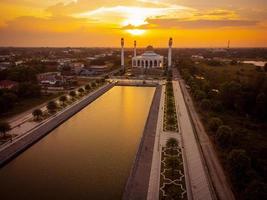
(170, 54)
(122, 53)
(135, 48)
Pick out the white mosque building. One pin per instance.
(149, 59)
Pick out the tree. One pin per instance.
(51, 106)
(199, 95)
(224, 136)
(230, 93)
(72, 94)
(256, 190)
(261, 106)
(63, 99)
(239, 163)
(205, 104)
(37, 113)
(81, 90)
(93, 84)
(87, 87)
(215, 123)
(28, 90)
(4, 127)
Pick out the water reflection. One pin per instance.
(87, 157)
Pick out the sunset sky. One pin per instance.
(101, 23)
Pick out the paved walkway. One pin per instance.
(154, 181)
(198, 180)
(138, 181)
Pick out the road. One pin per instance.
(213, 166)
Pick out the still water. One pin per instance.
(256, 63)
(87, 157)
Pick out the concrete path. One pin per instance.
(198, 180)
(137, 185)
(154, 181)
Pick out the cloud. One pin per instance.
(199, 24)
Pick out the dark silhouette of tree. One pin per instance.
(37, 113)
(256, 190)
(63, 99)
(72, 94)
(87, 87)
(4, 127)
(215, 123)
(205, 104)
(224, 136)
(239, 163)
(51, 106)
(81, 90)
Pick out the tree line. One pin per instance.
(244, 158)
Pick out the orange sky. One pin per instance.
(101, 23)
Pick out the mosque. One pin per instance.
(149, 59)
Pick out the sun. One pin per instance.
(136, 31)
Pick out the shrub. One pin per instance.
(215, 123)
(172, 142)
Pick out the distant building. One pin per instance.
(51, 79)
(76, 68)
(94, 70)
(7, 84)
(5, 65)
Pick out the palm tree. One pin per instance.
(4, 127)
(37, 113)
(63, 99)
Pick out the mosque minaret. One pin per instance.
(122, 53)
(170, 54)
